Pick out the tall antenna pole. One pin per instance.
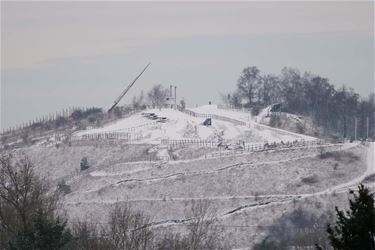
(118, 99)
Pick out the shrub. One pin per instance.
(323, 154)
(300, 128)
(60, 122)
(275, 121)
(298, 229)
(255, 110)
(77, 115)
(310, 179)
(64, 188)
(84, 164)
(88, 235)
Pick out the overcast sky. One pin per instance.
(60, 54)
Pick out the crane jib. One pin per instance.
(118, 99)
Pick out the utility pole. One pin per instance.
(170, 95)
(355, 128)
(367, 126)
(175, 97)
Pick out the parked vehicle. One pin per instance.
(162, 119)
(153, 117)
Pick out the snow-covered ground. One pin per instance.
(272, 134)
(179, 126)
(248, 190)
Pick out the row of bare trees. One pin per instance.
(31, 218)
(156, 97)
(337, 110)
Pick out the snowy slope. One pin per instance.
(269, 134)
(180, 125)
(242, 188)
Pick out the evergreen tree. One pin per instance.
(355, 229)
(46, 234)
(84, 164)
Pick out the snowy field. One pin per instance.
(249, 191)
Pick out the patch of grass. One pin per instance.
(64, 188)
(325, 155)
(335, 166)
(310, 179)
(338, 155)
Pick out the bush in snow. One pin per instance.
(84, 164)
(63, 187)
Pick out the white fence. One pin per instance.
(130, 135)
(199, 142)
(217, 117)
(268, 146)
(108, 136)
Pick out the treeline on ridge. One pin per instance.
(334, 109)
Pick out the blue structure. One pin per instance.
(207, 122)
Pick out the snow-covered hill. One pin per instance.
(249, 190)
(189, 125)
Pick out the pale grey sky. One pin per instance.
(61, 54)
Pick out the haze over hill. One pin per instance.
(61, 57)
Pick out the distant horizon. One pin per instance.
(62, 54)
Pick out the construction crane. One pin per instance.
(118, 99)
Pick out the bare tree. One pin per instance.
(202, 231)
(202, 227)
(158, 96)
(173, 242)
(129, 230)
(138, 102)
(269, 92)
(232, 99)
(182, 104)
(27, 207)
(249, 83)
(88, 235)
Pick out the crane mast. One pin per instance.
(118, 99)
